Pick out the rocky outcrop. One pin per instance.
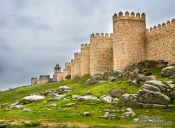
(109, 99)
(156, 83)
(168, 72)
(84, 98)
(30, 99)
(104, 77)
(116, 93)
(151, 97)
(151, 94)
(94, 79)
(129, 100)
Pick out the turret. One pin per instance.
(128, 39)
(57, 68)
(101, 53)
(85, 59)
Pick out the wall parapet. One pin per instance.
(84, 46)
(102, 35)
(129, 16)
(161, 26)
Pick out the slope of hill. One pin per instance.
(72, 112)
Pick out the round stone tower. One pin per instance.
(101, 53)
(72, 69)
(34, 81)
(77, 64)
(128, 39)
(85, 59)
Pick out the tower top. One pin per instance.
(129, 16)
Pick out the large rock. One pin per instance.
(93, 79)
(109, 115)
(26, 110)
(18, 106)
(134, 77)
(86, 113)
(116, 93)
(115, 74)
(129, 100)
(111, 79)
(168, 72)
(30, 99)
(65, 88)
(109, 99)
(84, 98)
(150, 87)
(157, 84)
(129, 112)
(151, 97)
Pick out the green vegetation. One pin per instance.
(63, 116)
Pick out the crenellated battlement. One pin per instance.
(75, 54)
(84, 46)
(102, 35)
(67, 64)
(162, 26)
(129, 16)
(129, 43)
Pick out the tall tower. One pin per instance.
(77, 64)
(58, 75)
(85, 59)
(101, 53)
(128, 39)
(57, 68)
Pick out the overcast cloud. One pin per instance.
(37, 34)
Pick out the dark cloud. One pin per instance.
(37, 34)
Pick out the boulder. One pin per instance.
(150, 87)
(88, 93)
(168, 72)
(86, 113)
(108, 99)
(129, 100)
(53, 99)
(84, 98)
(26, 109)
(129, 112)
(151, 97)
(102, 81)
(18, 106)
(30, 99)
(109, 115)
(93, 79)
(150, 77)
(115, 74)
(157, 84)
(111, 79)
(52, 105)
(116, 93)
(69, 104)
(134, 77)
(65, 88)
(170, 84)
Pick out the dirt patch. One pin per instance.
(68, 124)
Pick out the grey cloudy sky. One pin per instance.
(37, 34)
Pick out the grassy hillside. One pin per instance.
(62, 116)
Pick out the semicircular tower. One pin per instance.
(85, 59)
(128, 39)
(101, 53)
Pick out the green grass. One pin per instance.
(157, 72)
(40, 110)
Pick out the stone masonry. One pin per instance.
(129, 43)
